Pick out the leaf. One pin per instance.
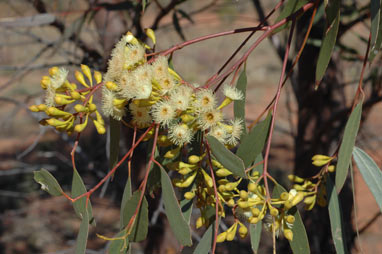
(375, 15)
(336, 222)
(229, 160)
(115, 134)
(255, 234)
(253, 143)
(290, 7)
(186, 207)
(174, 214)
(239, 106)
(300, 242)
(48, 182)
(78, 188)
(141, 222)
(205, 244)
(82, 236)
(330, 36)
(177, 26)
(377, 45)
(185, 15)
(371, 173)
(125, 198)
(117, 246)
(346, 148)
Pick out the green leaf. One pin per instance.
(239, 106)
(371, 173)
(48, 182)
(336, 222)
(330, 37)
(205, 244)
(174, 214)
(300, 242)
(78, 188)
(82, 236)
(115, 136)
(117, 246)
(229, 160)
(346, 148)
(290, 7)
(125, 198)
(253, 143)
(375, 15)
(377, 41)
(141, 222)
(186, 207)
(255, 234)
(177, 26)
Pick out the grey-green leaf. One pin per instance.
(375, 15)
(141, 223)
(290, 7)
(346, 148)
(336, 222)
(117, 246)
(255, 234)
(330, 37)
(229, 160)
(125, 198)
(370, 172)
(48, 182)
(174, 214)
(82, 236)
(239, 106)
(300, 242)
(253, 143)
(205, 244)
(78, 188)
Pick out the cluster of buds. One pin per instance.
(230, 233)
(63, 96)
(314, 192)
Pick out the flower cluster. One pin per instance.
(62, 94)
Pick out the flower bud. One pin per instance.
(200, 222)
(223, 172)
(53, 71)
(86, 70)
(45, 82)
(80, 78)
(99, 127)
(75, 95)
(231, 232)
(189, 195)
(111, 86)
(194, 159)
(255, 211)
(295, 179)
(80, 108)
(221, 237)
(290, 219)
(274, 212)
(331, 168)
(42, 107)
(172, 153)
(321, 157)
(288, 234)
(98, 77)
(284, 196)
(252, 187)
(243, 195)
(34, 108)
(80, 127)
(92, 107)
(243, 231)
(52, 111)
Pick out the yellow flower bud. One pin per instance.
(86, 70)
(75, 95)
(119, 103)
(207, 179)
(186, 118)
(200, 222)
(34, 108)
(99, 118)
(295, 179)
(55, 122)
(255, 211)
(80, 78)
(187, 182)
(92, 107)
(252, 187)
(297, 199)
(288, 234)
(45, 82)
(194, 159)
(42, 107)
(231, 232)
(243, 204)
(80, 108)
(111, 86)
(151, 34)
(185, 171)
(172, 153)
(223, 172)
(189, 195)
(217, 164)
(320, 163)
(243, 231)
(163, 141)
(331, 168)
(255, 174)
(99, 127)
(60, 100)
(290, 219)
(274, 212)
(321, 157)
(52, 111)
(231, 203)
(298, 187)
(98, 77)
(174, 74)
(309, 200)
(243, 195)
(80, 127)
(53, 71)
(254, 220)
(221, 237)
(284, 196)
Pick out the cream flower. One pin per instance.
(180, 134)
(163, 112)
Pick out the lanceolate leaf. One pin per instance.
(329, 40)
(290, 7)
(125, 198)
(186, 207)
(229, 160)
(239, 106)
(300, 242)
(48, 182)
(141, 223)
(78, 188)
(346, 148)
(375, 15)
(336, 222)
(255, 231)
(204, 246)
(253, 143)
(82, 236)
(371, 173)
(177, 26)
(174, 214)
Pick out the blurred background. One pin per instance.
(36, 35)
